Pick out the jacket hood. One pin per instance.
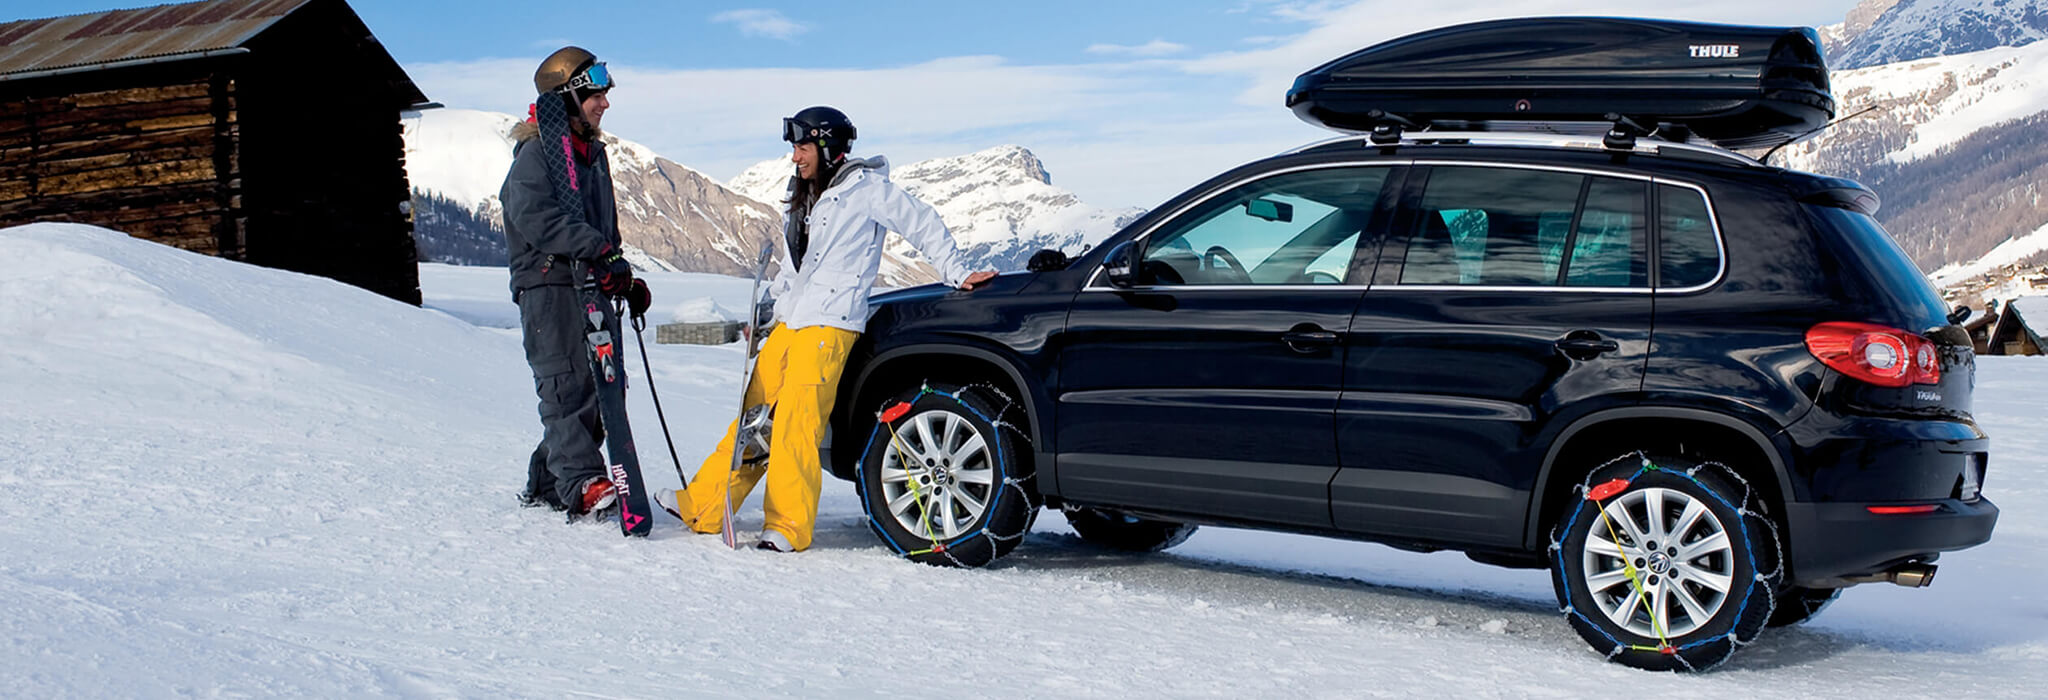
(878, 164)
(525, 131)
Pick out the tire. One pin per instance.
(973, 500)
(1708, 566)
(1795, 604)
(1129, 533)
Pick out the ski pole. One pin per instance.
(640, 324)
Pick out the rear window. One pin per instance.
(1690, 255)
(1865, 246)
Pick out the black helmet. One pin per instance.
(573, 71)
(825, 126)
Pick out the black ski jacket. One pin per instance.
(539, 240)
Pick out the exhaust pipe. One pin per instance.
(1911, 575)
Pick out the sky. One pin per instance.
(1126, 102)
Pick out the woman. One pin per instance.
(839, 209)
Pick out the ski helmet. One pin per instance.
(827, 127)
(573, 72)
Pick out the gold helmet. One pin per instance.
(571, 69)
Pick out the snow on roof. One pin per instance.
(2033, 310)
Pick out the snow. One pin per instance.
(461, 153)
(228, 480)
(2034, 310)
(766, 181)
(464, 154)
(2009, 252)
(1992, 87)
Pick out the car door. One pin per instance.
(1208, 387)
(1521, 296)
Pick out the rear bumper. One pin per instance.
(1831, 541)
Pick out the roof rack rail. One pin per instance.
(1645, 146)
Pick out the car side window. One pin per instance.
(1610, 247)
(1522, 227)
(1293, 228)
(1688, 255)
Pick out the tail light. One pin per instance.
(1876, 354)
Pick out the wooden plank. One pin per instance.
(145, 175)
(108, 200)
(128, 96)
(169, 210)
(124, 143)
(177, 122)
(83, 124)
(50, 168)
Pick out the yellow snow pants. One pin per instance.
(797, 371)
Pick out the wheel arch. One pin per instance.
(1581, 446)
(935, 362)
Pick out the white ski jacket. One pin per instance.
(846, 227)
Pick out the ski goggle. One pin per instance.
(596, 77)
(795, 131)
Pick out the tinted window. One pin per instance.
(1611, 246)
(1517, 227)
(1897, 281)
(1295, 228)
(1687, 254)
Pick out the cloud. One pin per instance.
(1124, 130)
(762, 23)
(1340, 28)
(1155, 47)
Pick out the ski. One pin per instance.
(746, 432)
(601, 321)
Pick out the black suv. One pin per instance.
(1706, 393)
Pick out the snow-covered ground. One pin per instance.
(225, 480)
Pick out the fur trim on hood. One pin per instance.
(525, 131)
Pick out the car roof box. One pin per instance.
(1736, 86)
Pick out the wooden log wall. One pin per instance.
(158, 162)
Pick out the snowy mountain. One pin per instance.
(1950, 139)
(227, 480)
(672, 217)
(1889, 31)
(999, 203)
(1953, 148)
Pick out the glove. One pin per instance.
(638, 298)
(614, 274)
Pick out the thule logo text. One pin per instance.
(1715, 51)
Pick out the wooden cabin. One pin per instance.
(2013, 335)
(266, 131)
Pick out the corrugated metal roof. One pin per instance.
(122, 35)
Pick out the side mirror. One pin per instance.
(1960, 314)
(1047, 260)
(1270, 210)
(1121, 265)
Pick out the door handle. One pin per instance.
(1585, 345)
(1308, 341)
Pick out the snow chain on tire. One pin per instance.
(1700, 654)
(1013, 485)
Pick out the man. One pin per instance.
(561, 225)
(839, 208)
